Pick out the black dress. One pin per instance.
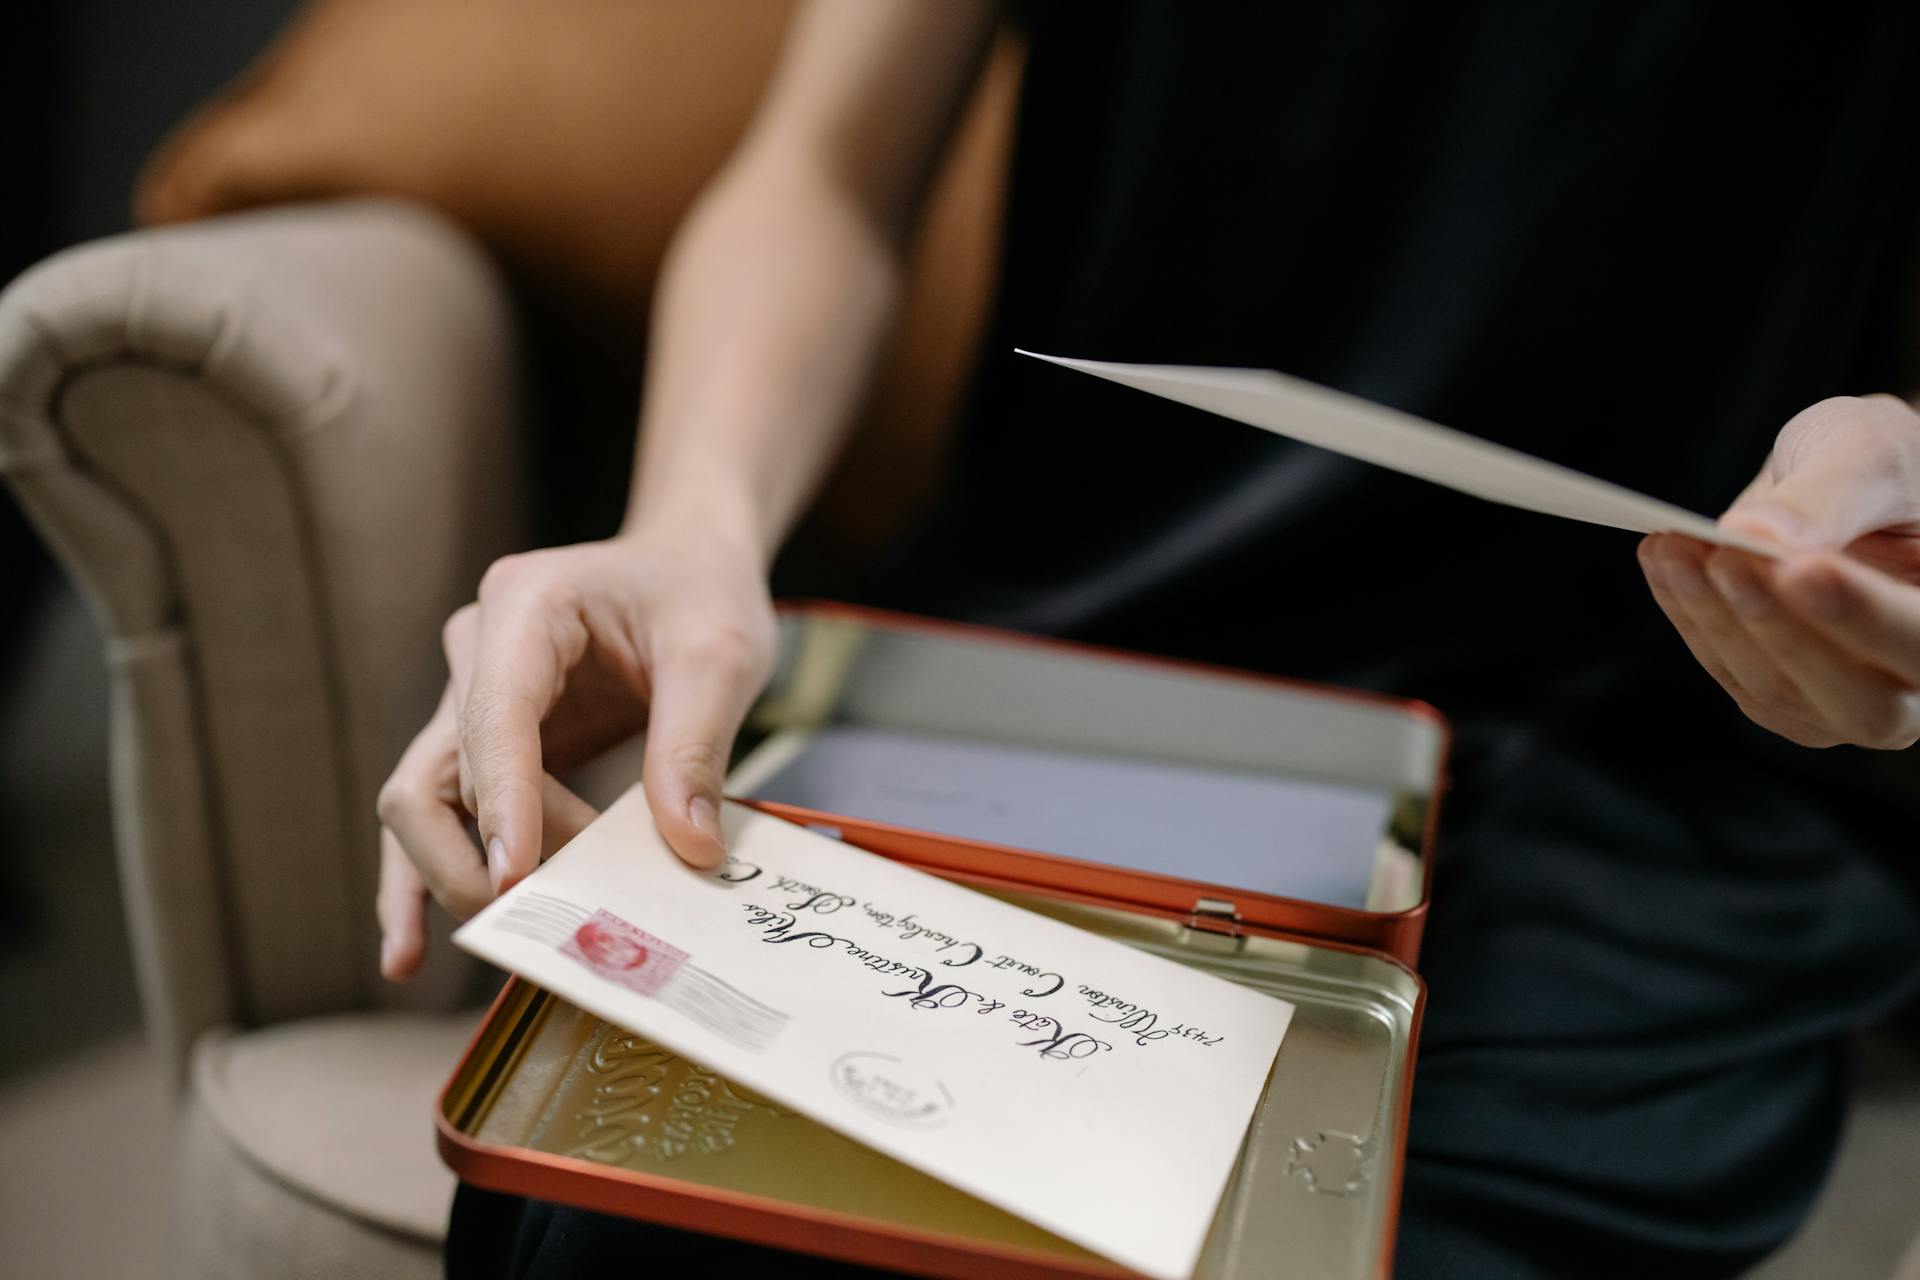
(1634, 238)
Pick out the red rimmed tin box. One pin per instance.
(552, 1103)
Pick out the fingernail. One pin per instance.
(497, 861)
(386, 953)
(704, 816)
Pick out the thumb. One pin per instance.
(700, 695)
(1843, 468)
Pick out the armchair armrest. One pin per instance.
(273, 451)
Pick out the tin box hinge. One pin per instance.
(1215, 915)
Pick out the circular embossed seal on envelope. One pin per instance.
(888, 1089)
(623, 953)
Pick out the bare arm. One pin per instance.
(775, 297)
(780, 286)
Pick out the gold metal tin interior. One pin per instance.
(1311, 1196)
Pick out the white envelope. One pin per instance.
(1014, 1057)
(1413, 446)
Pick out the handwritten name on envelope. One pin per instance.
(1017, 1058)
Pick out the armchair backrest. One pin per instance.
(274, 451)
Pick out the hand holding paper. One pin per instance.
(1810, 616)
(1822, 646)
(567, 651)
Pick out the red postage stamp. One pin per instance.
(622, 953)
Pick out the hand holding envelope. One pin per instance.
(1803, 602)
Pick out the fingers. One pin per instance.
(1872, 616)
(1818, 648)
(1676, 569)
(529, 637)
(1857, 702)
(425, 849)
(1674, 573)
(1822, 649)
(457, 641)
(401, 907)
(575, 634)
(702, 688)
(1842, 468)
(419, 806)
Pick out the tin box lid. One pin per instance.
(1226, 797)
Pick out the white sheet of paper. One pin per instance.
(1012, 1056)
(1401, 442)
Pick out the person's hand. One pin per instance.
(566, 652)
(1822, 646)
(421, 810)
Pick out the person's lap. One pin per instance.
(1630, 1056)
(1641, 973)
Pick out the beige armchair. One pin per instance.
(275, 450)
